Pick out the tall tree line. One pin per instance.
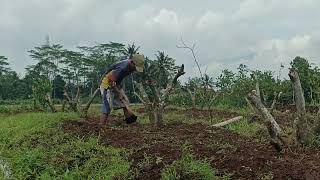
(58, 69)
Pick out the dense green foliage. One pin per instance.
(58, 69)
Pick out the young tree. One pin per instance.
(306, 126)
(157, 100)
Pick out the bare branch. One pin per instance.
(143, 93)
(191, 49)
(77, 95)
(173, 82)
(136, 94)
(275, 98)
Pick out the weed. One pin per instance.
(188, 168)
(245, 128)
(34, 148)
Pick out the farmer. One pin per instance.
(113, 96)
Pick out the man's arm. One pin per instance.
(116, 89)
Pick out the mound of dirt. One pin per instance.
(227, 152)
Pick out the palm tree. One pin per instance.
(165, 68)
(130, 50)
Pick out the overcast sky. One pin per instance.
(260, 33)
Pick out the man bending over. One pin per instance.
(113, 96)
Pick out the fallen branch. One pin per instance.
(224, 123)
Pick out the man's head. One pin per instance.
(138, 61)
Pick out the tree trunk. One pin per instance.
(274, 129)
(155, 108)
(34, 104)
(249, 104)
(64, 102)
(275, 98)
(301, 126)
(152, 118)
(50, 102)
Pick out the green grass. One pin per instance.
(188, 167)
(33, 147)
(15, 127)
(246, 128)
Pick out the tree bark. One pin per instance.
(155, 108)
(275, 98)
(63, 105)
(301, 121)
(71, 103)
(274, 129)
(50, 102)
(249, 104)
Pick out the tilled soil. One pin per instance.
(227, 152)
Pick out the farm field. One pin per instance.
(62, 145)
(159, 90)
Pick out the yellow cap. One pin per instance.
(138, 60)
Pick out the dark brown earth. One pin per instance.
(227, 152)
(292, 108)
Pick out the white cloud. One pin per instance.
(210, 20)
(274, 52)
(260, 33)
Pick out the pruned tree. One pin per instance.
(305, 125)
(302, 130)
(158, 101)
(275, 132)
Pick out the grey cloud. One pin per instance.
(260, 33)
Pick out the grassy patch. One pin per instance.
(33, 147)
(15, 127)
(188, 168)
(245, 128)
